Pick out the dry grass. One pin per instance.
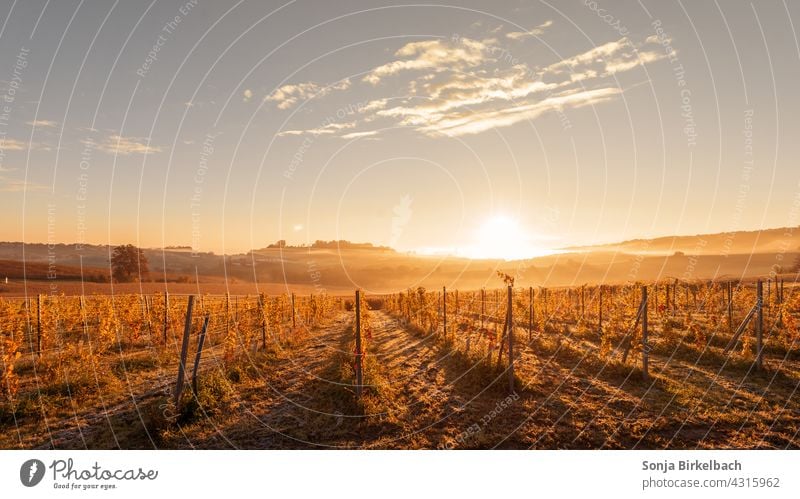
(421, 391)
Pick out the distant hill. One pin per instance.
(723, 243)
(337, 267)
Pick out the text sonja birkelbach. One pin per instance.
(66, 474)
(691, 465)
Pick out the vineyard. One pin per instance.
(663, 365)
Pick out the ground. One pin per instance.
(425, 391)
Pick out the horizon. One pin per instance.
(431, 252)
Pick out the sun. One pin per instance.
(502, 237)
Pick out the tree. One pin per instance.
(127, 262)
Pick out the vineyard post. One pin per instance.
(759, 325)
(674, 297)
(444, 310)
(496, 310)
(544, 294)
(38, 324)
(730, 305)
(187, 327)
(583, 309)
(263, 320)
(779, 293)
(147, 315)
(294, 322)
(530, 313)
(645, 347)
(686, 296)
(510, 326)
(600, 311)
(655, 297)
(483, 305)
(769, 292)
(456, 314)
(200, 342)
(227, 313)
(358, 344)
(166, 314)
(83, 317)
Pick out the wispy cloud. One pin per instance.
(432, 55)
(8, 144)
(537, 31)
(43, 123)
(16, 185)
(359, 135)
(287, 96)
(125, 146)
(327, 129)
(464, 86)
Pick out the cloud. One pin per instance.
(43, 123)
(433, 55)
(7, 144)
(466, 122)
(358, 135)
(287, 96)
(247, 95)
(16, 185)
(609, 58)
(537, 31)
(125, 146)
(461, 86)
(326, 129)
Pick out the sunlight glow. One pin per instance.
(502, 237)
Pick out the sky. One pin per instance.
(506, 128)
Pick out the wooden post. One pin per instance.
(583, 308)
(227, 313)
(645, 346)
(779, 294)
(759, 325)
(294, 321)
(655, 297)
(456, 314)
(769, 293)
(510, 315)
(730, 306)
(674, 297)
(359, 377)
(38, 324)
(261, 304)
(530, 313)
(200, 342)
(444, 310)
(166, 314)
(686, 296)
(496, 311)
(483, 305)
(544, 299)
(600, 311)
(187, 328)
(147, 315)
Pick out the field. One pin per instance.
(282, 370)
